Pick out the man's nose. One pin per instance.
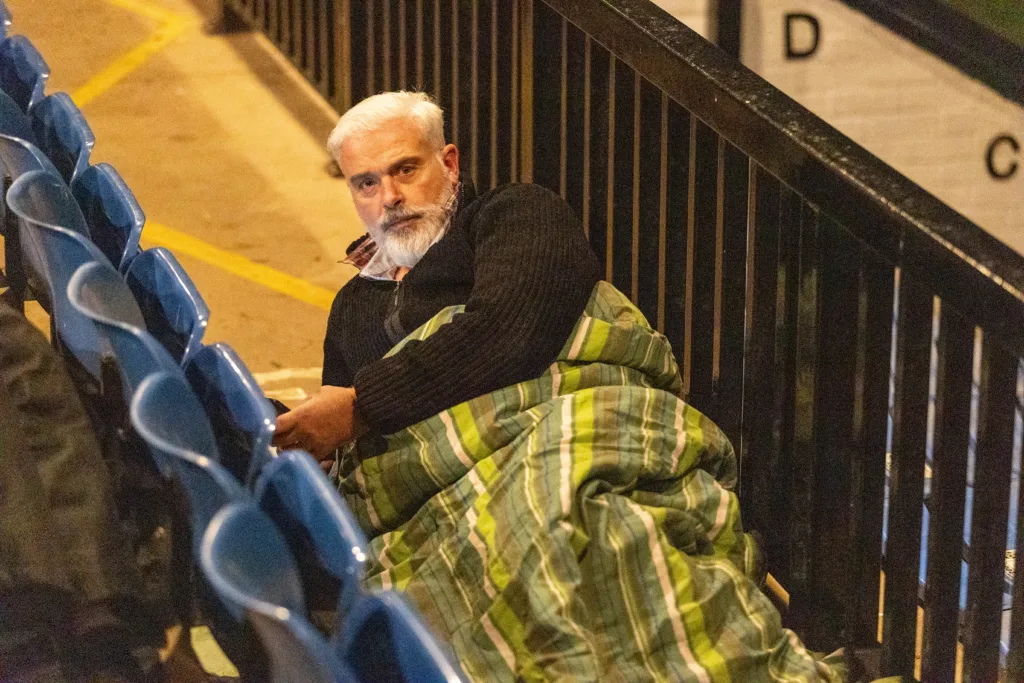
(392, 192)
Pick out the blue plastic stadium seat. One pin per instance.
(321, 531)
(23, 72)
(242, 418)
(169, 418)
(97, 292)
(17, 157)
(63, 134)
(114, 216)
(383, 640)
(245, 559)
(174, 311)
(54, 244)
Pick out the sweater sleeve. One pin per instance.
(533, 275)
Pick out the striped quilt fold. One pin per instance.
(577, 527)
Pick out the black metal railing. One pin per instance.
(798, 278)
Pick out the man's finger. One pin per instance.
(286, 421)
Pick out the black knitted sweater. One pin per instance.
(517, 258)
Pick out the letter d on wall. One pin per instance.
(801, 51)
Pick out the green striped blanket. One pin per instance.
(577, 527)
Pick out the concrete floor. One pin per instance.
(222, 141)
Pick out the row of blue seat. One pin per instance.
(134, 319)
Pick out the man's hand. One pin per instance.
(321, 424)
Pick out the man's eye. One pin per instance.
(407, 170)
(366, 184)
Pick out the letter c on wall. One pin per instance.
(1008, 171)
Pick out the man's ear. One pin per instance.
(450, 159)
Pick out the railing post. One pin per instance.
(226, 18)
(343, 54)
(526, 91)
(726, 23)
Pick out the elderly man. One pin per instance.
(516, 256)
(546, 498)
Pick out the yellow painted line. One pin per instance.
(180, 243)
(129, 62)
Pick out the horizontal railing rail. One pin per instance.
(845, 328)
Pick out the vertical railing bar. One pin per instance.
(748, 321)
(403, 40)
(371, 48)
(343, 54)
(902, 556)
(563, 95)
(586, 136)
(298, 44)
(309, 43)
(946, 502)
(272, 21)
(525, 23)
(514, 95)
(716, 340)
(437, 49)
(805, 434)
(610, 188)
(327, 82)
(419, 46)
(474, 89)
(663, 213)
(989, 512)
(494, 92)
(1015, 658)
(691, 219)
(635, 265)
(386, 42)
(285, 27)
(455, 74)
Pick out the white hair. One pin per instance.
(374, 111)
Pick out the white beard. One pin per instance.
(405, 245)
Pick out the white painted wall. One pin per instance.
(917, 113)
(693, 13)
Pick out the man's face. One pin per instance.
(399, 184)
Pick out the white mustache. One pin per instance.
(386, 222)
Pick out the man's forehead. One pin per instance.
(376, 149)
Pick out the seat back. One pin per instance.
(23, 72)
(20, 155)
(17, 157)
(174, 311)
(383, 639)
(97, 292)
(246, 561)
(242, 418)
(320, 529)
(13, 121)
(63, 134)
(169, 418)
(54, 244)
(114, 217)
